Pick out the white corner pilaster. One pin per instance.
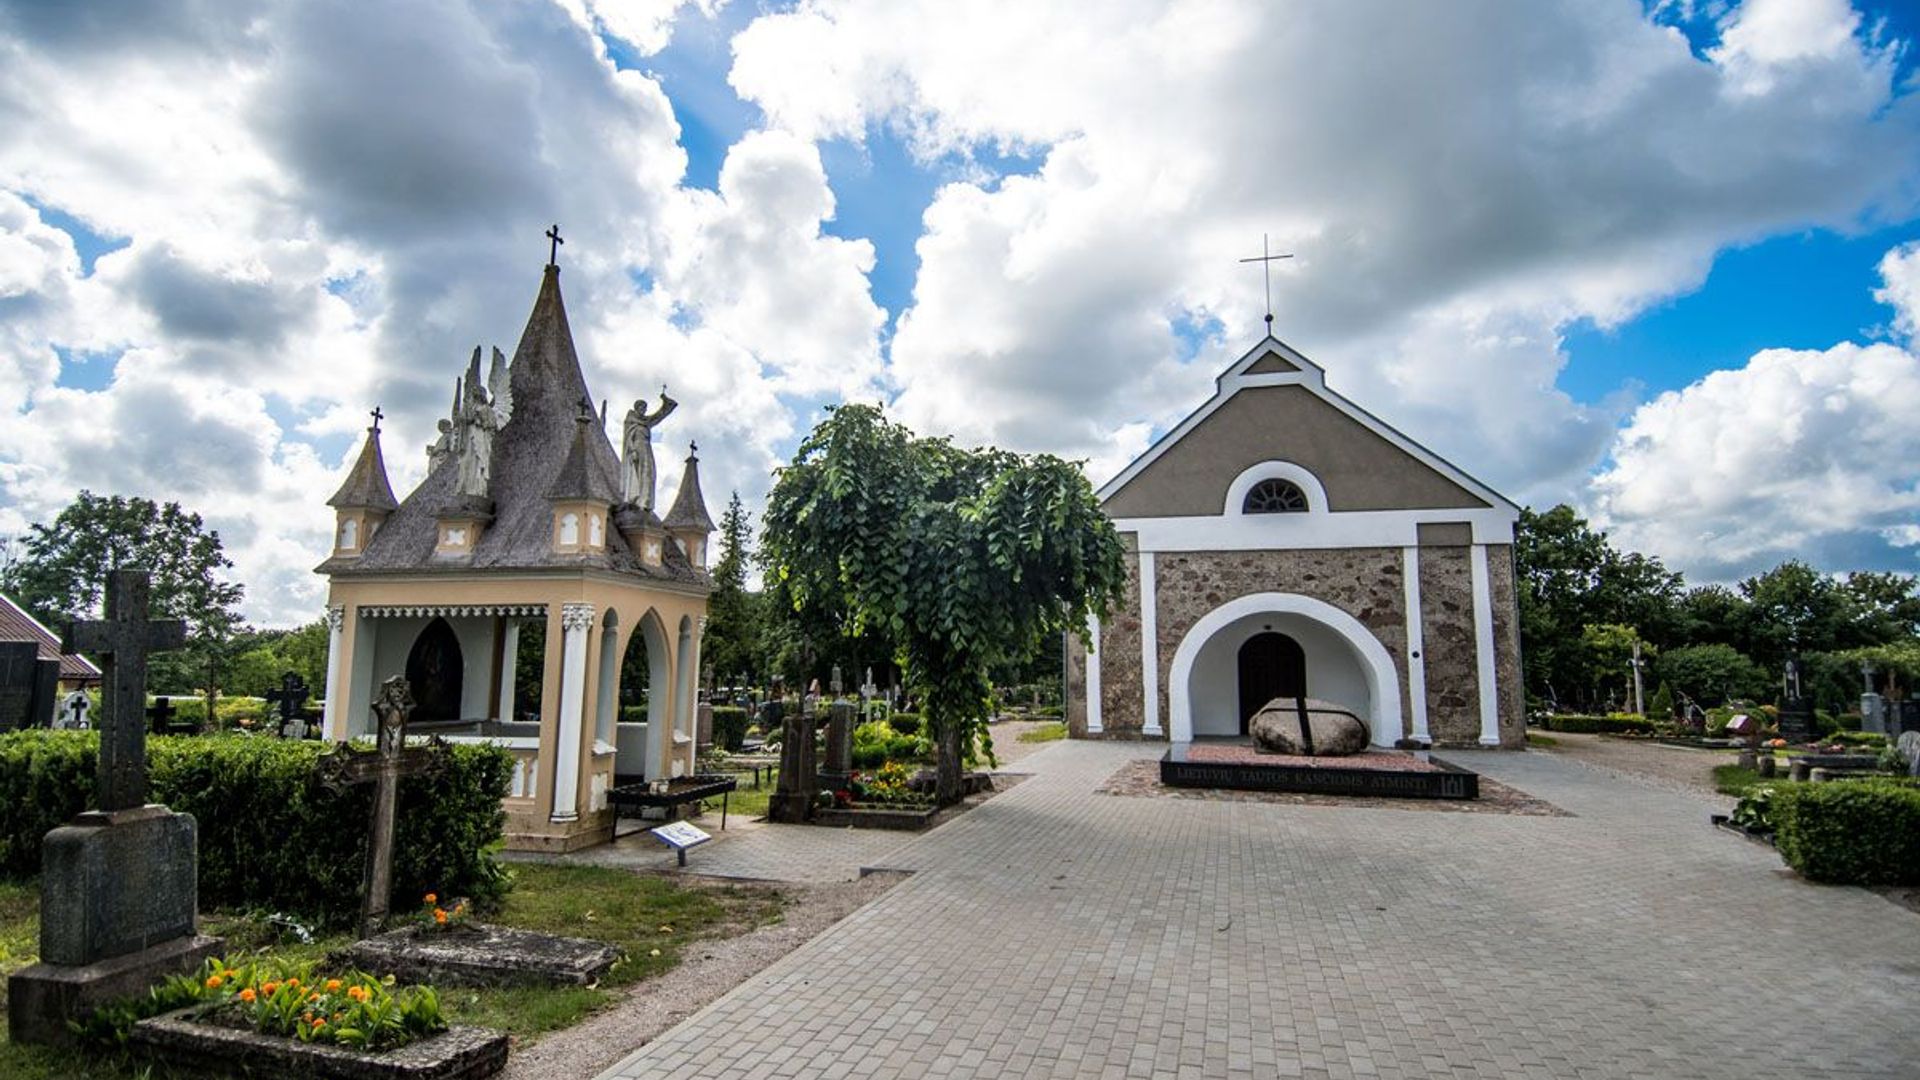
(576, 621)
(1416, 644)
(1093, 678)
(335, 690)
(1483, 648)
(1149, 648)
(509, 661)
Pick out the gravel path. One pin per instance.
(1673, 768)
(711, 968)
(1007, 746)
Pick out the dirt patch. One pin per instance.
(710, 969)
(1141, 779)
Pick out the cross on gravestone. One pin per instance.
(291, 697)
(73, 712)
(122, 641)
(384, 767)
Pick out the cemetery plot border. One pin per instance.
(1141, 779)
(1434, 779)
(483, 955)
(180, 1040)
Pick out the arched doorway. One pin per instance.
(436, 672)
(643, 691)
(1272, 665)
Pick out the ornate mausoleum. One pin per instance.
(527, 519)
(1283, 542)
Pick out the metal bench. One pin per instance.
(631, 800)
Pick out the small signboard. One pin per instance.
(681, 835)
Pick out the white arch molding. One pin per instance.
(1308, 483)
(1383, 681)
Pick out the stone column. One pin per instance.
(1093, 678)
(1149, 649)
(335, 689)
(1483, 648)
(509, 661)
(576, 621)
(1416, 642)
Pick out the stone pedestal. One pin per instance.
(793, 793)
(118, 895)
(702, 727)
(1873, 714)
(837, 766)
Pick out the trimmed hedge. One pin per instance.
(1618, 724)
(1850, 832)
(729, 727)
(270, 835)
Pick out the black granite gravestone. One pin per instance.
(1902, 717)
(1796, 720)
(19, 679)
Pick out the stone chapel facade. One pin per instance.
(1282, 540)
(523, 519)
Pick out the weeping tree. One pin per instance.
(964, 558)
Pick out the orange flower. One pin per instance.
(269, 987)
(357, 993)
(319, 1022)
(293, 982)
(232, 974)
(213, 982)
(332, 985)
(313, 995)
(247, 995)
(440, 916)
(433, 898)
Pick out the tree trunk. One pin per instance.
(946, 763)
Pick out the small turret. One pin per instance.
(581, 494)
(364, 500)
(688, 521)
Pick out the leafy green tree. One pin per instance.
(1660, 706)
(60, 573)
(967, 557)
(1712, 674)
(1607, 653)
(1570, 578)
(731, 645)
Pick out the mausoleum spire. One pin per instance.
(688, 521)
(366, 486)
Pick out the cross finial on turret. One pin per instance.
(377, 417)
(553, 249)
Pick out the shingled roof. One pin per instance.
(689, 510)
(366, 485)
(17, 625)
(539, 447)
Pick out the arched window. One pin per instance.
(1275, 496)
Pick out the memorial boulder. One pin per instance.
(1307, 727)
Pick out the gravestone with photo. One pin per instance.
(119, 884)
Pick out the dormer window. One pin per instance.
(1275, 496)
(569, 529)
(349, 534)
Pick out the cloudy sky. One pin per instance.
(1659, 259)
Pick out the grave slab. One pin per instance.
(482, 955)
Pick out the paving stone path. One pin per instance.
(1055, 932)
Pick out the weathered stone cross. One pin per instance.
(160, 714)
(383, 767)
(122, 641)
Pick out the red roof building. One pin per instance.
(17, 625)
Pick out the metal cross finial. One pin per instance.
(377, 417)
(553, 249)
(1266, 261)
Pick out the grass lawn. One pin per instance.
(1534, 738)
(1045, 733)
(1735, 780)
(651, 919)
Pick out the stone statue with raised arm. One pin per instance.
(636, 450)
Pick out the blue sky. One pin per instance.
(225, 235)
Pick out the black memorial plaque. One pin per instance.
(1445, 781)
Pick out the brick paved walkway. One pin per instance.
(1054, 932)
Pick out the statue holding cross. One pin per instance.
(391, 760)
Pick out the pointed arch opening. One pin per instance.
(641, 693)
(437, 672)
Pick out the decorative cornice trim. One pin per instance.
(415, 611)
(576, 617)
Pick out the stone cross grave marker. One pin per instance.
(383, 767)
(73, 711)
(291, 698)
(160, 715)
(1909, 748)
(122, 640)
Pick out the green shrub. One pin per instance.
(1850, 832)
(1755, 809)
(729, 727)
(1858, 738)
(227, 711)
(875, 744)
(906, 723)
(270, 835)
(1616, 724)
(633, 714)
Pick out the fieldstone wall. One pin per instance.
(1366, 583)
(1453, 674)
(1074, 709)
(1507, 672)
(1120, 677)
